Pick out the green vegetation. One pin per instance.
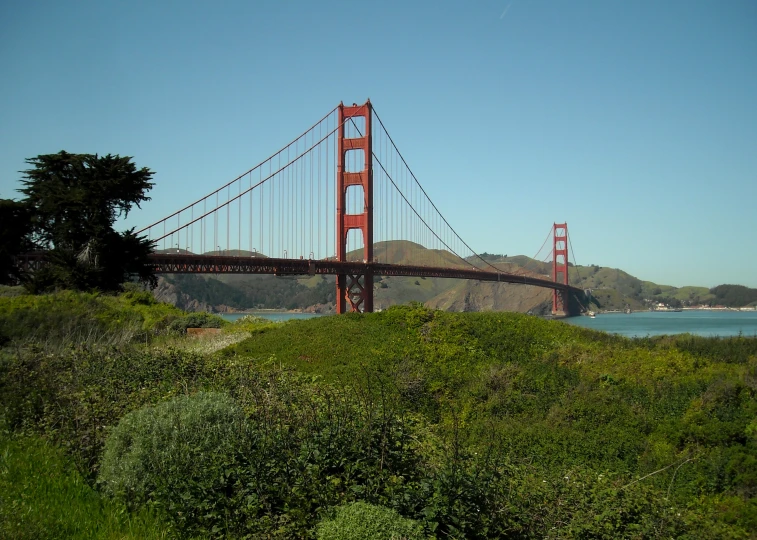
(14, 237)
(362, 521)
(734, 295)
(460, 425)
(43, 496)
(71, 204)
(260, 292)
(67, 317)
(179, 454)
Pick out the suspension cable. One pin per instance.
(241, 175)
(230, 200)
(544, 244)
(429, 199)
(574, 260)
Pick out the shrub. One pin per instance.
(181, 454)
(249, 323)
(363, 521)
(195, 320)
(250, 319)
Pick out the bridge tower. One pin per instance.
(354, 292)
(560, 268)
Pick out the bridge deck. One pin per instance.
(165, 263)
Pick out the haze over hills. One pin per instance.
(611, 288)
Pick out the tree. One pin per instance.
(14, 237)
(74, 201)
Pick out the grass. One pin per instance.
(203, 344)
(65, 318)
(42, 496)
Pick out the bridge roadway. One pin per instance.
(166, 263)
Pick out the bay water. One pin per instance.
(654, 323)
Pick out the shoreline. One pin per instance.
(728, 309)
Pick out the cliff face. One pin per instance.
(489, 296)
(170, 294)
(447, 295)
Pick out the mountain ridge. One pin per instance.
(611, 288)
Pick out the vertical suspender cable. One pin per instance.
(311, 199)
(239, 224)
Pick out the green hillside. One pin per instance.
(455, 425)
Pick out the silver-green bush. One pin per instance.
(363, 521)
(179, 454)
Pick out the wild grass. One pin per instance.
(43, 496)
(64, 319)
(202, 344)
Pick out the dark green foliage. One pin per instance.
(183, 455)
(73, 201)
(669, 301)
(77, 197)
(560, 397)
(734, 295)
(16, 219)
(362, 521)
(75, 395)
(732, 350)
(110, 261)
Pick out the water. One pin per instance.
(653, 323)
(277, 316)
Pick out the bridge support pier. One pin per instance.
(356, 297)
(354, 292)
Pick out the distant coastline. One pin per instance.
(749, 309)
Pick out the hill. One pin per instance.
(611, 288)
(472, 425)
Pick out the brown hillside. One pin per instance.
(410, 253)
(489, 296)
(466, 295)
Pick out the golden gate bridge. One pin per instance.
(335, 200)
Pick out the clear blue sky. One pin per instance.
(635, 122)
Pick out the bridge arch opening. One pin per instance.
(354, 160)
(355, 245)
(355, 200)
(354, 127)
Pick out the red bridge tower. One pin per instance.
(560, 268)
(354, 292)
